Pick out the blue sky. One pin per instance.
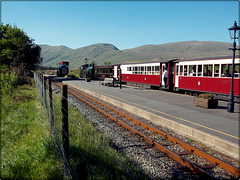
(126, 24)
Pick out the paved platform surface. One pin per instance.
(174, 106)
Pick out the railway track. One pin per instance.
(162, 144)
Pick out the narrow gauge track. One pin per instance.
(160, 140)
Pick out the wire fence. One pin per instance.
(85, 152)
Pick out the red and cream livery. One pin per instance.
(201, 75)
(145, 73)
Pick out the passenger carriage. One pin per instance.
(150, 73)
(104, 71)
(144, 73)
(211, 75)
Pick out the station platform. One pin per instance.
(215, 127)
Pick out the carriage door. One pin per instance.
(171, 76)
(176, 75)
(163, 66)
(115, 72)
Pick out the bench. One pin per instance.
(107, 82)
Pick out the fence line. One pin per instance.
(76, 172)
(71, 169)
(41, 83)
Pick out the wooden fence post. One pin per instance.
(50, 101)
(41, 79)
(44, 91)
(65, 133)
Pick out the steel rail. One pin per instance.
(181, 160)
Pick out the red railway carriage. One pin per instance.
(211, 75)
(144, 73)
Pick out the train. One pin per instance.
(210, 75)
(63, 69)
(199, 75)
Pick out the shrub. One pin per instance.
(206, 96)
(8, 82)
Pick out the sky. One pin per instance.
(125, 24)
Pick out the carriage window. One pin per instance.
(106, 70)
(216, 70)
(177, 70)
(148, 70)
(181, 70)
(157, 70)
(129, 68)
(226, 69)
(143, 68)
(139, 70)
(207, 70)
(199, 70)
(185, 70)
(192, 70)
(135, 70)
(237, 71)
(152, 70)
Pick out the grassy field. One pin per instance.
(27, 148)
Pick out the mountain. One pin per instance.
(99, 53)
(50, 54)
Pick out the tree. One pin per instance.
(17, 50)
(107, 62)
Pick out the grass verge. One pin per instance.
(27, 148)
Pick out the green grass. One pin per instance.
(75, 72)
(27, 150)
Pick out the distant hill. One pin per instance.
(99, 53)
(50, 54)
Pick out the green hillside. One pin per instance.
(99, 53)
(51, 53)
